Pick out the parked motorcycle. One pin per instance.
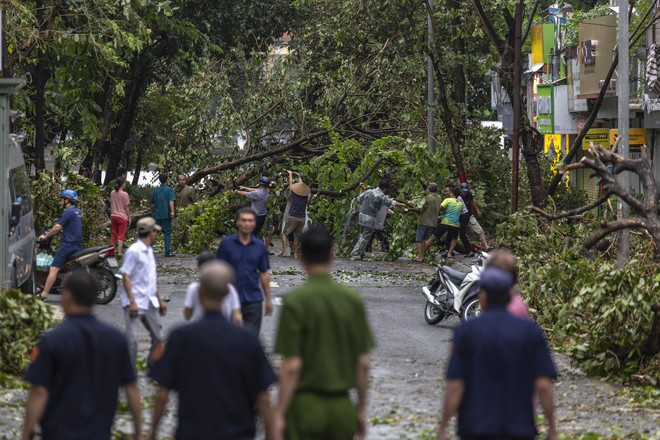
(453, 293)
(98, 260)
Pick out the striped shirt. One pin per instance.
(298, 206)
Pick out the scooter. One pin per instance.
(99, 261)
(453, 293)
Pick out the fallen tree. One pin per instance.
(607, 165)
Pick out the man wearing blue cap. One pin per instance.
(498, 362)
(259, 197)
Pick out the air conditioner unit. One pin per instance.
(610, 86)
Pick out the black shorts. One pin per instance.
(452, 231)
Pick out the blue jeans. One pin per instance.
(166, 224)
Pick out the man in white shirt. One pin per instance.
(140, 297)
(231, 304)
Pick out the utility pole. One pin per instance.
(623, 87)
(430, 99)
(517, 103)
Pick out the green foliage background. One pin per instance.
(22, 321)
(597, 313)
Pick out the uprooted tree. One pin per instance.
(607, 165)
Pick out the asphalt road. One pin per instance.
(408, 361)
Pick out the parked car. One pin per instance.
(21, 266)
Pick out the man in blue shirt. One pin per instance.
(162, 205)
(219, 370)
(259, 197)
(498, 363)
(70, 225)
(76, 371)
(248, 256)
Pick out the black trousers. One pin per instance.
(451, 231)
(261, 219)
(465, 219)
(252, 313)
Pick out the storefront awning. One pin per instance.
(536, 68)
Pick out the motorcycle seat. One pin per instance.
(453, 274)
(87, 252)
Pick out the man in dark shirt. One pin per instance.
(70, 225)
(248, 256)
(295, 223)
(219, 370)
(498, 362)
(76, 370)
(162, 204)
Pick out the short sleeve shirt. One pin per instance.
(119, 202)
(453, 209)
(184, 196)
(429, 217)
(259, 199)
(219, 370)
(140, 264)
(498, 357)
(229, 304)
(464, 210)
(325, 324)
(81, 363)
(161, 198)
(248, 262)
(71, 222)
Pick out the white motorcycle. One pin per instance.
(453, 293)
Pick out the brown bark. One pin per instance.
(132, 94)
(505, 47)
(200, 174)
(646, 210)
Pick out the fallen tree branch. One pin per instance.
(200, 174)
(343, 192)
(572, 212)
(606, 228)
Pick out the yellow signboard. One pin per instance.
(637, 136)
(599, 136)
(537, 45)
(551, 141)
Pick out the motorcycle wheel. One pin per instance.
(471, 310)
(107, 285)
(432, 314)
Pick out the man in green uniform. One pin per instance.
(185, 195)
(162, 206)
(325, 339)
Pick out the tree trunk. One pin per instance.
(132, 94)
(138, 167)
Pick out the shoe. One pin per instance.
(170, 255)
(470, 255)
(490, 248)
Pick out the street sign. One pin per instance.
(599, 136)
(637, 138)
(551, 142)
